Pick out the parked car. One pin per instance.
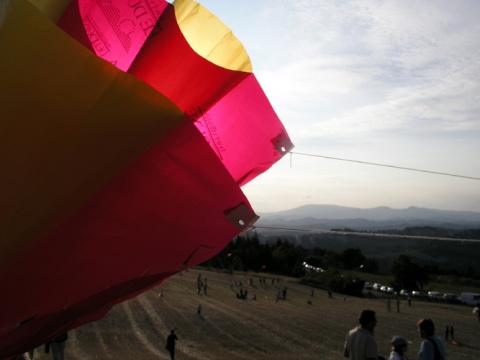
(405, 292)
(469, 298)
(367, 286)
(377, 286)
(434, 295)
(418, 293)
(450, 297)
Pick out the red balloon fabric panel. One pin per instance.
(160, 215)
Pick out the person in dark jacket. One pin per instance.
(171, 339)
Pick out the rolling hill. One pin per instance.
(295, 225)
(333, 216)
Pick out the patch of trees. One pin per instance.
(334, 281)
(282, 257)
(436, 232)
(246, 253)
(408, 275)
(450, 258)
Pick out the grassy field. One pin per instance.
(231, 328)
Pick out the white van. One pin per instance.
(470, 298)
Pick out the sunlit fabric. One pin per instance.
(197, 76)
(118, 168)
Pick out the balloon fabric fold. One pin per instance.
(126, 133)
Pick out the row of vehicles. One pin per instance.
(380, 287)
(464, 298)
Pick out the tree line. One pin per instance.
(317, 267)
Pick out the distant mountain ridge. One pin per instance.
(295, 226)
(334, 216)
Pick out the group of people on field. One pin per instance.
(361, 345)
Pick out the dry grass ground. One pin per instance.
(232, 329)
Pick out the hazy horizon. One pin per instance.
(368, 208)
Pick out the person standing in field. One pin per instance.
(476, 310)
(171, 339)
(360, 343)
(432, 347)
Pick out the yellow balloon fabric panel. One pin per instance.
(214, 42)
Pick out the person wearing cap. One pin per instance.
(360, 343)
(399, 347)
(432, 347)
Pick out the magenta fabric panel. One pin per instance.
(114, 30)
(167, 211)
(244, 131)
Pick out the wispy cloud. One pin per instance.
(417, 60)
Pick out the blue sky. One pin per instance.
(390, 82)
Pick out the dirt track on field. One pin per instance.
(231, 328)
